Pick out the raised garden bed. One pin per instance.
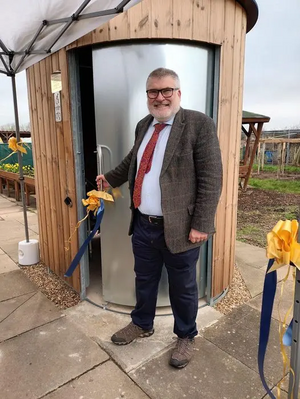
(9, 180)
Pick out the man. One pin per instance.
(175, 175)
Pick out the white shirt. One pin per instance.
(151, 193)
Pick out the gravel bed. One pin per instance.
(63, 296)
(237, 294)
(52, 286)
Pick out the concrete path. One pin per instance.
(53, 354)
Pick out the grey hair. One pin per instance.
(161, 73)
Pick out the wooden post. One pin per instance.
(263, 156)
(283, 157)
(279, 149)
(257, 133)
(258, 158)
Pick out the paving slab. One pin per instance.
(212, 373)
(7, 207)
(106, 381)
(10, 305)
(10, 229)
(15, 283)
(33, 312)
(250, 255)
(285, 301)
(10, 247)
(6, 263)
(238, 335)
(101, 324)
(41, 360)
(253, 278)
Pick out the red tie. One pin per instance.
(145, 164)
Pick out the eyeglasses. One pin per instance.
(166, 93)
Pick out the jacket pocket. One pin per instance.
(191, 209)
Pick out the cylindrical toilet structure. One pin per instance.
(204, 41)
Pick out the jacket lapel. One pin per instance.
(174, 138)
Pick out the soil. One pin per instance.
(259, 211)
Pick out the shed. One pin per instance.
(65, 132)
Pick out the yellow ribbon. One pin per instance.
(283, 245)
(92, 203)
(14, 146)
(284, 248)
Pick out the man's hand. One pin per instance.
(102, 183)
(197, 236)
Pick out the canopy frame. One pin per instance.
(68, 21)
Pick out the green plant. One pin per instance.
(282, 186)
(14, 168)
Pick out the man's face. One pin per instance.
(162, 108)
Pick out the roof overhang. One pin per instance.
(251, 8)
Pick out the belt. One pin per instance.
(156, 220)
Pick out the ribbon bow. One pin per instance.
(94, 203)
(93, 200)
(14, 146)
(283, 245)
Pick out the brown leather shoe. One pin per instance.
(129, 334)
(183, 352)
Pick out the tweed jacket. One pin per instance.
(190, 179)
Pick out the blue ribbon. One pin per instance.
(84, 246)
(287, 338)
(265, 321)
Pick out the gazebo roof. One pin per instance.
(250, 117)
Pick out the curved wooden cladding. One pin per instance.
(219, 22)
(54, 165)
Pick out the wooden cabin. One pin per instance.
(220, 25)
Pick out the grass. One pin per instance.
(282, 186)
(274, 168)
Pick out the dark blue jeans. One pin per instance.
(151, 253)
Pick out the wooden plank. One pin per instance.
(139, 20)
(70, 167)
(62, 192)
(51, 212)
(85, 40)
(45, 206)
(57, 202)
(162, 19)
(277, 141)
(101, 34)
(201, 20)
(43, 243)
(119, 27)
(217, 22)
(183, 19)
(240, 32)
(233, 153)
(220, 264)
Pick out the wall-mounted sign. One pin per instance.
(57, 106)
(56, 82)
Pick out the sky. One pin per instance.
(272, 69)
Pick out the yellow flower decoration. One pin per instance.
(283, 245)
(15, 146)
